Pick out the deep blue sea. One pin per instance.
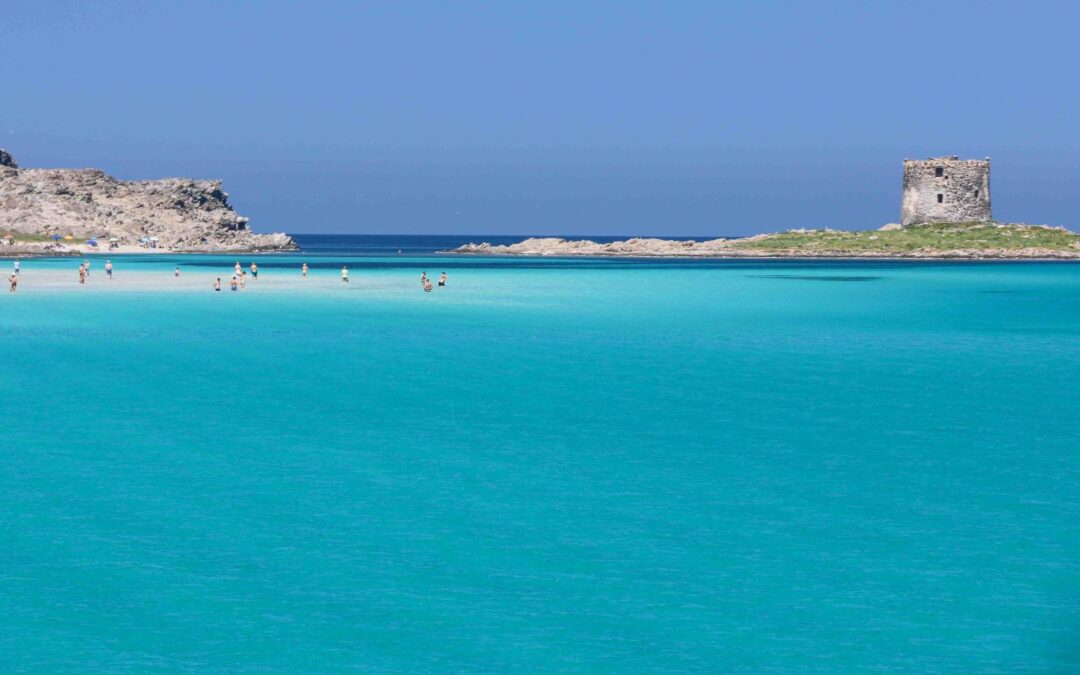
(549, 465)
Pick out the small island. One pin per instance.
(975, 240)
(75, 211)
(944, 213)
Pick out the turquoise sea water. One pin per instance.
(550, 465)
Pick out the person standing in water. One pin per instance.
(87, 263)
(254, 272)
(18, 264)
(82, 274)
(217, 283)
(442, 279)
(427, 285)
(345, 274)
(108, 268)
(236, 268)
(243, 279)
(423, 277)
(232, 284)
(303, 270)
(176, 274)
(13, 279)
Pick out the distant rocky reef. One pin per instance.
(179, 214)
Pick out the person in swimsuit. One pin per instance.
(423, 278)
(87, 263)
(303, 270)
(243, 279)
(236, 268)
(13, 279)
(217, 284)
(345, 274)
(176, 274)
(427, 285)
(254, 271)
(108, 268)
(232, 284)
(82, 274)
(18, 264)
(442, 279)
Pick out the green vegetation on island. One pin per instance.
(926, 238)
(975, 240)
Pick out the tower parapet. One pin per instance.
(946, 190)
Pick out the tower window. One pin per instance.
(939, 172)
(940, 198)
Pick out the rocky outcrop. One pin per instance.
(179, 213)
(1000, 242)
(553, 246)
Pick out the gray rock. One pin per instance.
(181, 213)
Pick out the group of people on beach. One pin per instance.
(84, 270)
(238, 281)
(239, 278)
(426, 283)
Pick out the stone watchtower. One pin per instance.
(946, 190)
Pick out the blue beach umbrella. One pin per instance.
(56, 237)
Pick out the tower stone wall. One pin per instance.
(945, 190)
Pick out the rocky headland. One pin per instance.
(925, 241)
(174, 214)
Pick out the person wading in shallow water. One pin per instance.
(303, 270)
(442, 279)
(217, 284)
(254, 272)
(82, 274)
(108, 268)
(13, 279)
(345, 274)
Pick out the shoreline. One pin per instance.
(801, 255)
(77, 251)
(934, 241)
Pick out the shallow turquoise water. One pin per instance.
(547, 466)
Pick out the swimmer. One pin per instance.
(82, 274)
(345, 274)
(243, 279)
(236, 268)
(423, 278)
(87, 263)
(217, 284)
(108, 268)
(18, 264)
(176, 274)
(427, 285)
(303, 270)
(13, 279)
(442, 279)
(232, 283)
(254, 271)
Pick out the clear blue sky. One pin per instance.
(552, 117)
